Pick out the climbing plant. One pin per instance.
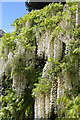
(23, 40)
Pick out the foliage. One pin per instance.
(17, 108)
(14, 107)
(70, 108)
(23, 41)
(26, 36)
